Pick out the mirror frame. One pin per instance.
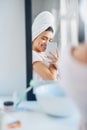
(28, 24)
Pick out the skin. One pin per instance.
(39, 45)
(80, 53)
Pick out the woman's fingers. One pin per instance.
(54, 55)
(54, 59)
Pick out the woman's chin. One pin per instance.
(43, 50)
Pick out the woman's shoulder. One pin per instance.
(34, 52)
(36, 56)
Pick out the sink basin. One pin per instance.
(53, 99)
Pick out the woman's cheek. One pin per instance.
(39, 44)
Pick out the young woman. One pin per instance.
(42, 33)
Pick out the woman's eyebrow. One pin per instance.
(47, 38)
(44, 36)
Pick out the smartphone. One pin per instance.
(51, 47)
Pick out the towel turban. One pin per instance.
(44, 20)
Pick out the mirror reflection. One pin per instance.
(54, 25)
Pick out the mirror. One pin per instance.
(66, 18)
(65, 14)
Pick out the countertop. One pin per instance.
(32, 117)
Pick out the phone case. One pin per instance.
(51, 47)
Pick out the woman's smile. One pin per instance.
(44, 46)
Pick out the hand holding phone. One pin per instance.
(51, 47)
(52, 53)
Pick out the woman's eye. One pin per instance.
(50, 40)
(43, 38)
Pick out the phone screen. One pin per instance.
(51, 47)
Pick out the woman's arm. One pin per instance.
(47, 73)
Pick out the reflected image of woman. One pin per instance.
(43, 33)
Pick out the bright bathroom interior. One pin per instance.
(71, 29)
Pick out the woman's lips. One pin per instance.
(44, 47)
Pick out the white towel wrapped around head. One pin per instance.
(44, 20)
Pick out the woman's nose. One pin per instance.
(47, 41)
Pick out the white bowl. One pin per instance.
(53, 100)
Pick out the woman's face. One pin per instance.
(40, 43)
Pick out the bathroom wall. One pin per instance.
(12, 47)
